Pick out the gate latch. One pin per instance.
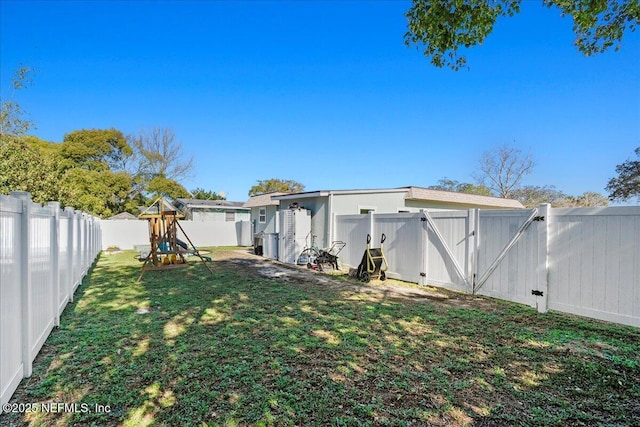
(538, 218)
(537, 293)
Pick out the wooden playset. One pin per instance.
(167, 250)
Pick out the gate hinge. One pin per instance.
(423, 218)
(423, 274)
(538, 218)
(537, 293)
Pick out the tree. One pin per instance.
(274, 184)
(159, 153)
(159, 163)
(446, 184)
(25, 167)
(442, 27)
(502, 169)
(162, 186)
(627, 184)
(12, 116)
(532, 196)
(202, 194)
(102, 193)
(589, 199)
(95, 149)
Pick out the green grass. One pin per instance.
(237, 349)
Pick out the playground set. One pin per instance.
(167, 251)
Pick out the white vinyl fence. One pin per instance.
(44, 254)
(127, 234)
(584, 261)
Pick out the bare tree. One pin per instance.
(159, 153)
(13, 119)
(502, 169)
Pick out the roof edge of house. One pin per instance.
(462, 198)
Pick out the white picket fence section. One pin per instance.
(44, 254)
(584, 261)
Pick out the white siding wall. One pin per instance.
(382, 202)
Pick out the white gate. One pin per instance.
(497, 253)
(511, 255)
(584, 261)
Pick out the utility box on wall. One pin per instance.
(295, 228)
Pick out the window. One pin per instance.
(262, 215)
(230, 216)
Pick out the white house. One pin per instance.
(323, 204)
(264, 210)
(213, 210)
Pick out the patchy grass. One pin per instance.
(186, 348)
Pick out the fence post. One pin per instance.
(542, 270)
(55, 259)
(371, 225)
(470, 247)
(69, 284)
(25, 275)
(83, 246)
(424, 244)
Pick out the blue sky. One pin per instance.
(324, 93)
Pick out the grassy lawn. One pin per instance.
(186, 348)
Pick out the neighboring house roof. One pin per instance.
(266, 199)
(324, 193)
(124, 215)
(209, 204)
(419, 193)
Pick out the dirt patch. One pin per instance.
(341, 280)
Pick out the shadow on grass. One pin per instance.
(184, 347)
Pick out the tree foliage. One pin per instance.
(502, 169)
(588, 199)
(274, 184)
(95, 149)
(627, 184)
(163, 186)
(99, 171)
(444, 27)
(103, 193)
(202, 194)
(446, 184)
(532, 195)
(26, 168)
